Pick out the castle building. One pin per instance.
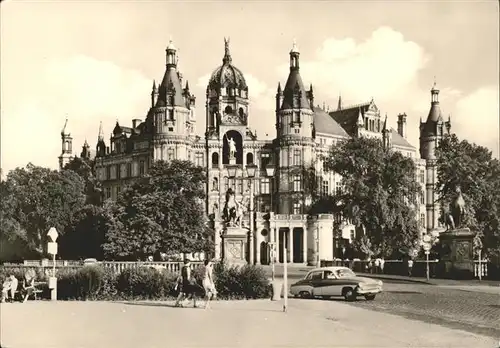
(274, 194)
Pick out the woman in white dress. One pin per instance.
(208, 283)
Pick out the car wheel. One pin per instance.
(370, 297)
(304, 294)
(349, 294)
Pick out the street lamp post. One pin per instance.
(251, 169)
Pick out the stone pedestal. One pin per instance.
(235, 245)
(457, 254)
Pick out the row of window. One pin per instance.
(124, 170)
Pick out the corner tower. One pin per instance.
(431, 133)
(295, 138)
(172, 117)
(66, 146)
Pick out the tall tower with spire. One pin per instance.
(66, 146)
(172, 116)
(431, 133)
(295, 138)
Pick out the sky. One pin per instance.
(93, 61)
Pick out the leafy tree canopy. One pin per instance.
(86, 169)
(379, 193)
(35, 199)
(161, 212)
(472, 167)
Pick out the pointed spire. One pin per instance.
(187, 85)
(311, 87)
(100, 136)
(279, 87)
(227, 54)
(339, 106)
(294, 47)
(384, 128)
(63, 131)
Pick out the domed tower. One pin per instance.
(431, 133)
(295, 136)
(227, 110)
(171, 117)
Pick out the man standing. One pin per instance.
(410, 266)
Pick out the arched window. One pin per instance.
(249, 158)
(228, 110)
(215, 160)
(241, 112)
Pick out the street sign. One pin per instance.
(427, 238)
(53, 234)
(427, 252)
(52, 248)
(427, 247)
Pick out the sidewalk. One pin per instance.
(258, 323)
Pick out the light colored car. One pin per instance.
(336, 281)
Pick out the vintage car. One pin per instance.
(326, 282)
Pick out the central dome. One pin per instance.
(227, 75)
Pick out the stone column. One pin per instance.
(257, 248)
(304, 244)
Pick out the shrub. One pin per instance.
(93, 282)
(88, 282)
(246, 281)
(145, 283)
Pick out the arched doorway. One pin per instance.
(238, 140)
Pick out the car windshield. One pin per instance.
(344, 273)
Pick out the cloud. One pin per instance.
(477, 116)
(382, 66)
(87, 91)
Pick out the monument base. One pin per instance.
(235, 245)
(457, 253)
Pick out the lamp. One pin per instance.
(251, 170)
(231, 171)
(270, 169)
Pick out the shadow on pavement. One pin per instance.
(190, 306)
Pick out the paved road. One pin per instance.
(260, 323)
(474, 308)
(470, 310)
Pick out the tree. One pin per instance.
(86, 169)
(161, 212)
(379, 195)
(472, 167)
(35, 199)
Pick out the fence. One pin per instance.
(116, 266)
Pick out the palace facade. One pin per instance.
(267, 176)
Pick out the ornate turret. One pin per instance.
(66, 146)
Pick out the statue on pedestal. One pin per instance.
(457, 208)
(232, 212)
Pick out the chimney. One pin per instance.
(135, 122)
(402, 125)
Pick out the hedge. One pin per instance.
(93, 282)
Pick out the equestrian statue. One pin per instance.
(455, 211)
(233, 210)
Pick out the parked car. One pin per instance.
(326, 282)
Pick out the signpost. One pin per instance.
(427, 248)
(285, 280)
(52, 250)
(480, 270)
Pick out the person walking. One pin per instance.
(208, 283)
(187, 290)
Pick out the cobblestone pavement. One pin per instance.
(469, 310)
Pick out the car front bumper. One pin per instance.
(369, 290)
